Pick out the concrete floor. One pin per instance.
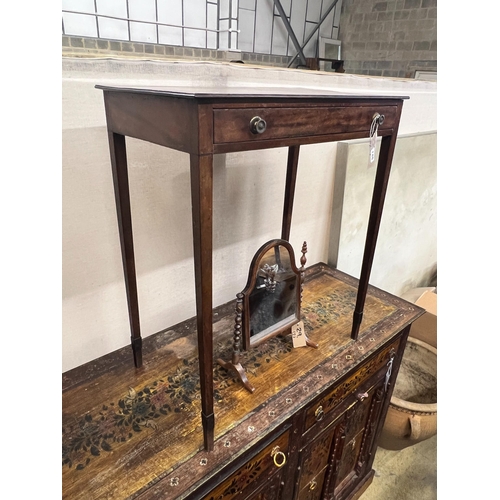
(408, 474)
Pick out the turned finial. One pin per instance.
(303, 259)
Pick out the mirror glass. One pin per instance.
(273, 299)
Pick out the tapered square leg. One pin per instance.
(379, 191)
(122, 199)
(201, 196)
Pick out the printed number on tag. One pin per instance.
(298, 336)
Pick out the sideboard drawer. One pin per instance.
(235, 124)
(257, 471)
(319, 410)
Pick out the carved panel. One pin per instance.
(370, 427)
(349, 458)
(357, 415)
(313, 489)
(269, 491)
(252, 475)
(315, 456)
(341, 391)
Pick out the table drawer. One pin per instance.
(235, 124)
(257, 471)
(319, 410)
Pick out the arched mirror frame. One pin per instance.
(255, 269)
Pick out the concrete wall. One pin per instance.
(77, 46)
(389, 38)
(248, 193)
(406, 254)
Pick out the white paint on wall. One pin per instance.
(248, 197)
(406, 253)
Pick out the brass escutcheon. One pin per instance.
(313, 485)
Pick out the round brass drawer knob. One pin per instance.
(257, 125)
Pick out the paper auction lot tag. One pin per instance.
(298, 337)
(373, 138)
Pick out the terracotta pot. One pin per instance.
(412, 413)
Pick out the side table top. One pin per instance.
(250, 92)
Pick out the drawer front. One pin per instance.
(319, 410)
(313, 489)
(235, 124)
(315, 456)
(269, 490)
(360, 424)
(258, 470)
(350, 454)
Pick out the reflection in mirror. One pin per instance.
(273, 299)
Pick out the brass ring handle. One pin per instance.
(379, 118)
(258, 125)
(279, 457)
(319, 413)
(313, 485)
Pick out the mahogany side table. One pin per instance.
(204, 122)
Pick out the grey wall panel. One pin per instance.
(224, 9)
(247, 4)
(112, 7)
(310, 48)
(140, 32)
(170, 36)
(212, 23)
(246, 36)
(223, 37)
(286, 4)
(195, 15)
(80, 25)
(194, 38)
(114, 29)
(297, 22)
(78, 5)
(142, 10)
(263, 26)
(326, 26)
(338, 10)
(234, 35)
(313, 10)
(170, 12)
(280, 37)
